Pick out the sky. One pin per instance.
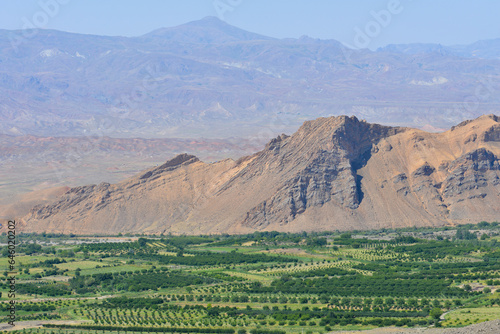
(356, 23)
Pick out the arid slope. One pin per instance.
(333, 173)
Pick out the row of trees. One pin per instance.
(359, 285)
(144, 329)
(138, 282)
(213, 258)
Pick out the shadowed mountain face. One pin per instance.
(207, 78)
(333, 173)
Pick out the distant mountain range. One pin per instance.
(207, 78)
(487, 49)
(336, 173)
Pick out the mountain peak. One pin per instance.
(333, 173)
(209, 21)
(208, 30)
(344, 128)
(174, 163)
(488, 120)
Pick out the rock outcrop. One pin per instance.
(336, 173)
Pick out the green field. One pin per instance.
(467, 316)
(265, 282)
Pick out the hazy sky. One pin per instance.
(359, 23)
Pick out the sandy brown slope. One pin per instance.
(333, 173)
(22, 204)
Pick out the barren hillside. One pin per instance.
(333, 173)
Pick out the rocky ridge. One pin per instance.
(333, 173)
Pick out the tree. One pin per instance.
(436, 313)
(413, 303)
(142, 242)
(389, 302)
(357, 302)
(463, 234)
(448, 304)
(401, 302)
(316, 242)
(483, 224)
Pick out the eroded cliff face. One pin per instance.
(333, 173)
(469, 174)
(336, 149)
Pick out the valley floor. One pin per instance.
(261, 283)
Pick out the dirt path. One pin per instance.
(57, 299)
(489, 327)
(20, 325)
